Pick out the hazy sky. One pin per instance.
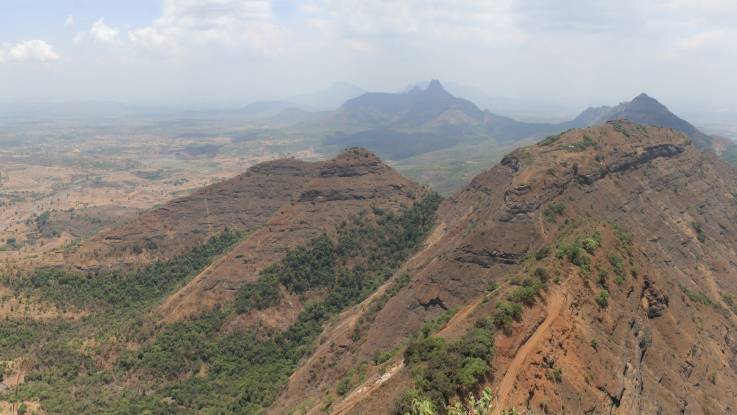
(225, 52)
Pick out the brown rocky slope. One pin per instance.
(278, 205)
(243, 203)
(635, 230)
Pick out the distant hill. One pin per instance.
(416, 121)
(521, 109)
(411, 109)
(426, 130)
(646, 110)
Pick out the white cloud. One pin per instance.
(102, 33)
(464, 19)
(29, 51)
(69, 22)
(230, 23)
(702, 39)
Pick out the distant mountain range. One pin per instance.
(399, 125)
(521, 109)
(642, 110)
(647, 110)
(417, 120)
(423, 118)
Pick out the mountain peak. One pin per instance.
(645, 99)
(435, 85)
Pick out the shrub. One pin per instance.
(590, 245)
(617, 264)
(576, 255)
(541, 274)
(555, 374)
(601, 277)
(542, 253)
(624, 236)
(552, 211)
(602, 298)
(383, 357)
(524, 295)
(344, 385)
(506, 313)
(472, 371)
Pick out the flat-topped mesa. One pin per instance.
(244, 203)
(354, 161)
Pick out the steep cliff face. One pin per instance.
(631, 231)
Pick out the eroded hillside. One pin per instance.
(184, 315)
(604, 261)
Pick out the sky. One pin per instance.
(230, 52)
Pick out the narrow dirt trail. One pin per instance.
(554, 308)
(461, 315)
(207, 216)
(359, 394)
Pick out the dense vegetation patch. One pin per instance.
(117, 288)
(445, 369)
(17, 335)
(303, 269)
